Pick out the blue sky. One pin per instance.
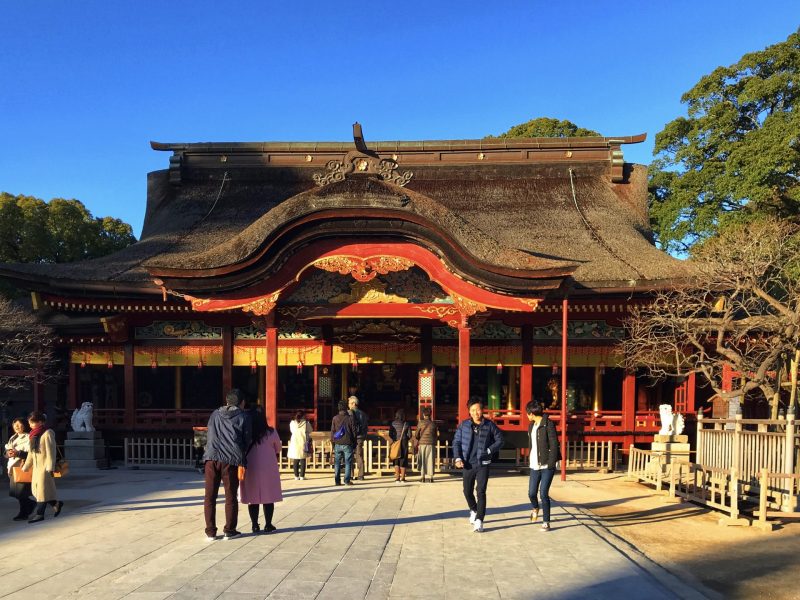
(87, 85)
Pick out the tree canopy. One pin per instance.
(736, 155)
(743, 310)
(546, 127)
(32, 230)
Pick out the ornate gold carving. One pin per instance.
(262, 306)
(198, 302)
(297, 312)
(385, 168)
(532, 303)
(466, 306)
(364, 269)
(367, 292)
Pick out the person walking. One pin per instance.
(426, 435)
(262, 480)
(229, 436)
(17, 449)
(343, 438)
(299, 443)
(477, 441)
(42, 461)
(544, 454)
(400, 430)
(360, 421)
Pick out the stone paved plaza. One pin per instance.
(139, 535)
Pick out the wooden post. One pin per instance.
(227, 359)
(178, 388)
(629, 407)
(72, 390)
(699, 455)
(789, 503)
(526, 373)
(597, 403)
(564, 310)
(691, 385)
(463, 372)
(271, 378)
(737, 441)
(129, 375)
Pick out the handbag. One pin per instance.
(396, 447)
(62, 465)
(240, 472)
(308, 446)
(21, 476)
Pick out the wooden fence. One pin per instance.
(583, 455)
(160, 452)
(750, 445)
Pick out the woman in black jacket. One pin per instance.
(400, 430)
(544, 454)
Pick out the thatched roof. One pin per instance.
(511, 218)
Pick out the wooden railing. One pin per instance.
(582, 455)
(160, 452)
(776, 490)
(717, 488)
(748, 446)
(646, 466)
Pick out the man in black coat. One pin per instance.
(229, 436)
(343, 438)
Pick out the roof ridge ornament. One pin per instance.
(362, 161)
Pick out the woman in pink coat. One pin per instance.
(262, 481)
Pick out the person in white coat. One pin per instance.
(299, 443)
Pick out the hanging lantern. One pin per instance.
(110, 363)
(602, 367)
(299, 366)
(83, 362)
(354, 364)
(253, 365)
(200, 364)
(555, 367)
(153, 363)
(499, 368)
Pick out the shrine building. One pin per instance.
(408, 273)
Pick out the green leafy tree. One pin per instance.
(736, 155)
(546, 127)
(32, 230)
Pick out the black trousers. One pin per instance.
(475, 480)
(299, 466)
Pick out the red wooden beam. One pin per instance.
(463, 372)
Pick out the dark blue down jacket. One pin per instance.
(229, 436)
(488, 442)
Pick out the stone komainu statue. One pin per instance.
(671, 423)
(82, 417)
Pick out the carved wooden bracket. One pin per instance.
(363, 269)
(358, 162)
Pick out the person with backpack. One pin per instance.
(343, 438)
(476, 442)
(544, 454)
(360, 421)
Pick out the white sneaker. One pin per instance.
(302, 478)
(472, 517)
(477, 526)
(297, 479)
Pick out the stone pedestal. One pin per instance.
(673, 448)
(85, 450)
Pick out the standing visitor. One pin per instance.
(360, 421)
(426, 435)
(262, 480)
(42, 460)
(544, 454)
(476, 442)
(299, 443)
(400, 430)
(343, 438)
(17, 450)
(229, 435)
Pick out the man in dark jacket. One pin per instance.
(360, 422)
(343, 438)
(229, 436)
(476, 442)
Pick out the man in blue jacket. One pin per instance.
(229, 436)
(476, 442)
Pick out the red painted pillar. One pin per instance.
(564, 310)
(227, 360)
(526, 373)
(129, 386)
(272, 373)
(629, 408)
(691, 385)
(463, 373)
